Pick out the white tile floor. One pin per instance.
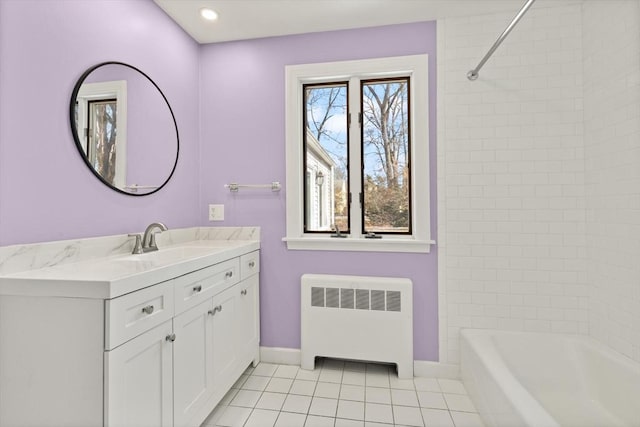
(342, 394)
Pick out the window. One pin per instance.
(355, 130)
(385, 151)
(326, 156)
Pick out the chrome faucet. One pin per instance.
(149, 237)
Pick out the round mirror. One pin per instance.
(124, 128)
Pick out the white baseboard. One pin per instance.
(279, 355)
(426, 368)
(421, 368)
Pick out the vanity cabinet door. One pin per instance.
(192, 357)
(224, 332)
(248, 319)
(139, 386)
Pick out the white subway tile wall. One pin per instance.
(539, 174)
(612, 152)
(511, 176)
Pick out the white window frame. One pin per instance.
(414, 66)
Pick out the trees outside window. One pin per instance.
(101, 142)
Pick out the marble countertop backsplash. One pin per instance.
(33, 256)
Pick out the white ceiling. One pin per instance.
(248, 19)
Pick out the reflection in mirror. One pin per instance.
(101, 115)
(124, 128)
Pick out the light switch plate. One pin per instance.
(216, 212)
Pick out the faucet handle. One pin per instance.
(152, 240)
(137, 247)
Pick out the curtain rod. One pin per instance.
(473, 74)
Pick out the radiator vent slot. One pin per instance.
(333, 297)
(364, 299)
(346, 298)
(377, 300)
(317, 297)
(393, 301)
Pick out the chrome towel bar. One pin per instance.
(235, 187)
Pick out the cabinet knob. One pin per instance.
(148, 309)
(228, 274)
(243, 292)
(219, 308)
(252, 264)
(171, 337)
(197, 288)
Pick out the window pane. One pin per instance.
(386, 175)
(101, 146)
(326, 157)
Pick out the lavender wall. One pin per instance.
(46, 191)
(235, 133)
(243, 140)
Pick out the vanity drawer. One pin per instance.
(132, 314)
(193, 288)
(249, 264)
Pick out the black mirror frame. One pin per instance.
(74, 126)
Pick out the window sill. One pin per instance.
(386, 244)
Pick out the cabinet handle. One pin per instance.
(216, 309)
(243, 292)
(148, 309)
(252, 264)
(171, 337)
(197, 288)
(228, 274)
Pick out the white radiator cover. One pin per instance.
(359, 318)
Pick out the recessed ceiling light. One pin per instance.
(208, 14)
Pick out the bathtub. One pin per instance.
(548, 380)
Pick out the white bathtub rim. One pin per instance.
(529, 409)
(585, 340)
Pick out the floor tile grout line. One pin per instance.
(260, 397)
(341, 384)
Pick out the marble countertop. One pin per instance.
(112, 276)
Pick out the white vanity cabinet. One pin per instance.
(159, 356)
(224, 330)
(139, 380)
